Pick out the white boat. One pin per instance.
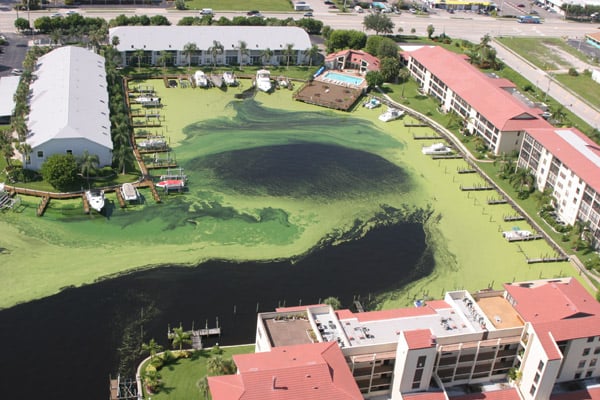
(95, 199)
(263, 80)
(129, 192)
(200, 79)
(516, 234)
(170, 184)
(436, 149)
(152, 144)
(372, 103)
(148, 99)
(391, 114)
(229, 78)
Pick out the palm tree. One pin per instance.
(218, 366)
(115, 41)
(189, 49)
(6, 146)
(266, 55)
(288, 52)
(25, 150)
(203, 386)
(122, 157)
(312, 52)
(56, 36)
(215, 50)
(88, 163)
(139, 55)
(164, 58)
(243, 50)
(180, 338)
(151, 348)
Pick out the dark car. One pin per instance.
(328, 2)
(533, 12)
(308, 14)
(253, 13)
(521, 5)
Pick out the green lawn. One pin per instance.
(540, 52)
(237, 5)
(180, 379)
(583, 85)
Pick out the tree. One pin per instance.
(381, 47)
(217, 365)
(139, 56)
(180, 5)
(164, 58)
(266, 55)
(189, 49)
(203, 386)
(88, 163)
(334, 302)
(115, 41)
(22, 24)
(389, 68)
(312, 52)
(243, 50)
(430, 30)
(122, 157)
(288, 52)
(343, 39)
(374, 78)
(378, 22)
(216, 50)
(453, 120)
(151, 348)
(181, 338)
(60, 170)
(6, 146)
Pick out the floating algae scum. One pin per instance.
(270, 178)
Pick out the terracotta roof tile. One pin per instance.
(419, 339)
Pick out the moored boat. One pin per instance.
(200, 79)
(169, 184)
(391, 114)
(263, 80)
(436, 149)
(129, 192)
(95, 199)
(229, 78)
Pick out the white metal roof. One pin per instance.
(158, 38)
(8, 88)
(69, 98)
(578, 143)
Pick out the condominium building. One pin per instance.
(544, 333)
(491, 107)
(567, 163)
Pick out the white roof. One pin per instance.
(580, 145)
(158, 38)
(69, 98)
(8, 88)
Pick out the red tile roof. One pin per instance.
(356, 57)
(484, 93)
(565, 151)
(419, 339)
(585, 394)
(300, 372)
(503, 394)
(595, 36)
(558, 311)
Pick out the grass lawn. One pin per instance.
(540, 51)
(180, 379)
(237, 5)
(583, 85)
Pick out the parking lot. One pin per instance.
(13, 53)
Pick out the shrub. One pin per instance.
(573, 72)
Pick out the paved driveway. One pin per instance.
(13, 54)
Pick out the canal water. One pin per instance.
(65, 346)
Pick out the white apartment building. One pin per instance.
(491, 107)
(547, 330)
(567, 162)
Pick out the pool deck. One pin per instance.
(331, 93)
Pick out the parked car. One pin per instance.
(308, 14)
(521, 5)
(71, 12)
(56, 15)
(533, 12)
(16, 71)
(328, 2)
(253, 13)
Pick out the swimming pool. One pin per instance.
(352, 80)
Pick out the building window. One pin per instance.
(40, 154)
(416, 385)
(577, 375)
(541, 366)
(581, 364)
(532, 390)
(590, 339)
(421, 361)
(593, 362)
(537, 377)
(70, 152)
(589, 374)
(586, 351)
(597, 350)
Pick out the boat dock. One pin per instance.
(418, 125)
(446, 157)
(466, 171)
(415, 137)
(475, 188)
(546, 260)
(497, 201)
(509, 218)
(120, 198)
(358, 306)
(43, 205)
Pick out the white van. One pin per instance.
(359, 9)
(206, 11)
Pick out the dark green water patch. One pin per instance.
(302, 170)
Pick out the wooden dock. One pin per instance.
(86, 204)
(415, 137)
(122, 202)
(475, 188)
(466, 171)
(509, 218)
(162, 165)
(415, 125)
(546, 260)
(43, 205)
(446, 157)
(497, 201)
(358, 306)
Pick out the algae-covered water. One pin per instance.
(269, 178)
